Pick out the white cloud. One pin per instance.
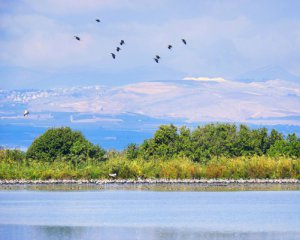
(69, 7)
(219, 43)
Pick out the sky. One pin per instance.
(224, 39)
(240, 65)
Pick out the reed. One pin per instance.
(259, 167)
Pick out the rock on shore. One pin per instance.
(151, 181)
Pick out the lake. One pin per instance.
(134, 213)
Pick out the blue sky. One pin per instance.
(240, 65)
(225, 39)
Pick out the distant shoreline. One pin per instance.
(209, 182)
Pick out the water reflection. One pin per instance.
(181, 211)
(52, 232)
(118, 233)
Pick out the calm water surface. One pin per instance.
(141, 214)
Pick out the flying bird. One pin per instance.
(118, 49)
(113, 55)
(155, 59)
(122, 42)
(169, 47)
(158, 57)
(183, 40)
(26, 113)
(98, 20)
(77, 38)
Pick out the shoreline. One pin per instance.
(209, 182)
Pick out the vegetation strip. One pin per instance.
(213, 151)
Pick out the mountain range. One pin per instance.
(268, 96)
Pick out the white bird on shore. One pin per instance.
(113, 175)
(26, 113)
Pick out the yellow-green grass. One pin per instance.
(178, 168)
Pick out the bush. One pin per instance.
(57, 143)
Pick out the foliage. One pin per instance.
(210, 151)
(132, 151)
(215, 140)
(61, 142)
(177, 168)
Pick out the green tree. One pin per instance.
(285, 147)
(164, 143)
(185, 142)
(132, 151)
(293, 143)
(260, 140)
(274, 136)
(279, 148)
(245, 144)
(214, 140)
(61, 142)
(202, 143)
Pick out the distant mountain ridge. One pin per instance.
(117, 116)
(254, 98)
(271, 72)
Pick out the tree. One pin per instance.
(216, 140)
(274, 136)
(279, 148)
(245, 145)
(260, 140)
(293, 145)
(132, 151)
(185, 142)
(61, 142)
(164, 143)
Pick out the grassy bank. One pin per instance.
(179, 168)
(210, 151)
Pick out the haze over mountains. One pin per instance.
(267, 73)
(192, 99)
(268, 96)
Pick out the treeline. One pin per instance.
(215, 140)
(210, 151)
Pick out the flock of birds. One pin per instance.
(122, 42)
(118, 48)
(157, 57)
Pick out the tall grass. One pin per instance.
(253, 167)
(178, 168)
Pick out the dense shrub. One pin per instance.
(58, 143)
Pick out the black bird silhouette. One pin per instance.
(118, 49)
(122, 42)
(98, 20)
(155, 59)
(77, 38)
(170, 46)
(158, 57)
(113, 55)
(183, 40)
